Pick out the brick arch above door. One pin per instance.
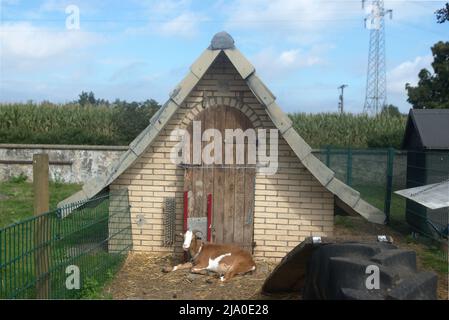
(208, 102)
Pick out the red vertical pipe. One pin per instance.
(209, 216)
(186, 208)
(186, 213)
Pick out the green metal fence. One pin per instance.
(377, 173)
(38, 255)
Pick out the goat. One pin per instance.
(225, 259)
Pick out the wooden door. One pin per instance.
(231, 186)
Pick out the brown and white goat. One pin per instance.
(225, 259)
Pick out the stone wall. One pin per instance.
(71, 164)
(76, 164)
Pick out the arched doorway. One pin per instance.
(229, 187)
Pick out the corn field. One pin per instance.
(68, 124)
(117, 125)
(350, 130)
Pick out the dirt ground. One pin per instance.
(141, 276)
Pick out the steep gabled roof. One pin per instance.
(223, 42)
(429, 127)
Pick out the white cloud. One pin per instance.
(407, 72)
(289, 57)
(295, 58)
(185, 25)
(272, 63)
(301, 19)
(43, 63)
(23, 41)
(27, 46)
(170, 18)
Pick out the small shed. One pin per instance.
(426, 140)
(268, 214)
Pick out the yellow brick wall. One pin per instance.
(289, 206)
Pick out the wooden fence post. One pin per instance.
(42, 226)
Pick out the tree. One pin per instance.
(131, 118)
(443, 14)
(432, 91)
(390, 111)
(87, 98)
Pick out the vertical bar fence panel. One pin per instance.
(377, 173)
(92, 236)
(349, 168)
(389, 184)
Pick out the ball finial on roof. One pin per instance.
(221, 41)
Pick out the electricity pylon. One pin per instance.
(376, 81)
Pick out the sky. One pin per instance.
(136, 50)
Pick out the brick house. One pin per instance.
(268, 214)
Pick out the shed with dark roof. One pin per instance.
(426, 140)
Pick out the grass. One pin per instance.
(431, 259)
(93, 288)
(433, 256)
(16, 201)
(375, 195)
(344, 222)
(95, 281)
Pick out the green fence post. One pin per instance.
(389, 184)
(328, 156)
(349, 168)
